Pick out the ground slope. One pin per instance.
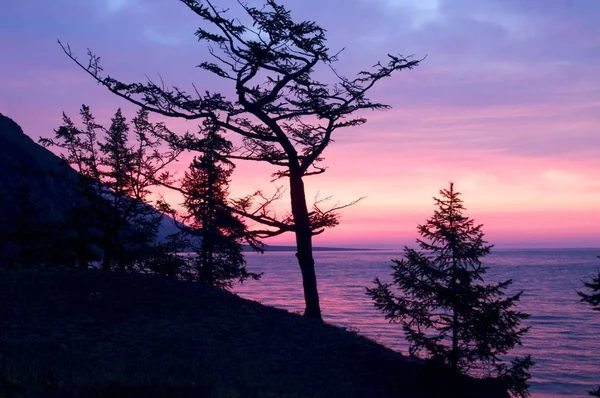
(66, 333)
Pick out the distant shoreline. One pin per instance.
(284, 248)
(316, 249)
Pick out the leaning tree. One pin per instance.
(282, 110)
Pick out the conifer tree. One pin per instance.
(592, 297)
(218, 232)
(447, 311)
(129, 222)
(116, 174)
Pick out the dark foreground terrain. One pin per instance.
(88, 334)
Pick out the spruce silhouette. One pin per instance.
(447, 312)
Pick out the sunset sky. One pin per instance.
(506, 104)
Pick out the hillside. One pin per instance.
(25, 163)
(86, 333)
(49, 181)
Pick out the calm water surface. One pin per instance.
(564, 340)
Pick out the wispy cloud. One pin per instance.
(161, 38)
(118, 5)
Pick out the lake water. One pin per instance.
(564, 340)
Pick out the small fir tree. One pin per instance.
(126, 171)
(447, 311)
(592, 297)
(218, 232)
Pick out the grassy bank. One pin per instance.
(66, 333)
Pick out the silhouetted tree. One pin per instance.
(215, 232)
(446, 310)
(283, 112)
(592, 297)
(116, 175)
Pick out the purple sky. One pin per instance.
(506, 104)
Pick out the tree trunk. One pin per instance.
(206, 253)
(107, 255)
(454, 357)
(304, 247)
(207, 261)
(82, 258)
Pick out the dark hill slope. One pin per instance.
(23, 163)
(50, 183)
(86, 333)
